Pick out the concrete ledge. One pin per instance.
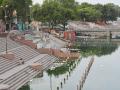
(36, 66)
(58, 53)
(8, 55)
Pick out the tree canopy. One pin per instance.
(1, 2)
(53, 12)
(60, 11)
(89, 12)
(21, 6)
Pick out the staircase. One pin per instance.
(16, 75)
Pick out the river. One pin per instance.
(104, 73)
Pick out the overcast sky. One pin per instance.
(117, 2)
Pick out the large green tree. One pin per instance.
(21, 6)
(36, 12)
(88, 14)
(1, 15)
(109, 12)
(50, 12)
(53, 12)
(1, 2)
(68, 3)
(65, 15)
(85, 5)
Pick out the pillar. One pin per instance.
(57, 88)
(61, 84)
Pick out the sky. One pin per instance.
(117, 2)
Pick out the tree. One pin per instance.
(1, 2)
(60, 11)
(1, 11)
(109, 12)
(48, 12)
(53, 12)
(85, 5)
(36, 12)
(117, 9)
(89, 14)
(18, 5)
(66, 14)
(71, 4)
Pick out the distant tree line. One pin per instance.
(56, 12)
(60, 11)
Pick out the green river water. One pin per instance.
(104, 73)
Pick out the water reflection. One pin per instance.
(96, 48)
(99, 51)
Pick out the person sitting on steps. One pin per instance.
(21, 61)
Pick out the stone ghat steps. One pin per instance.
(22, 77)
(14, 76)
(20, 72)
(26, 53)
(47, 61)
(7, 66)
(23, 73)
(11, 44)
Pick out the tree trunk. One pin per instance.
(49, 24)
(52, 26)
(64, 26)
